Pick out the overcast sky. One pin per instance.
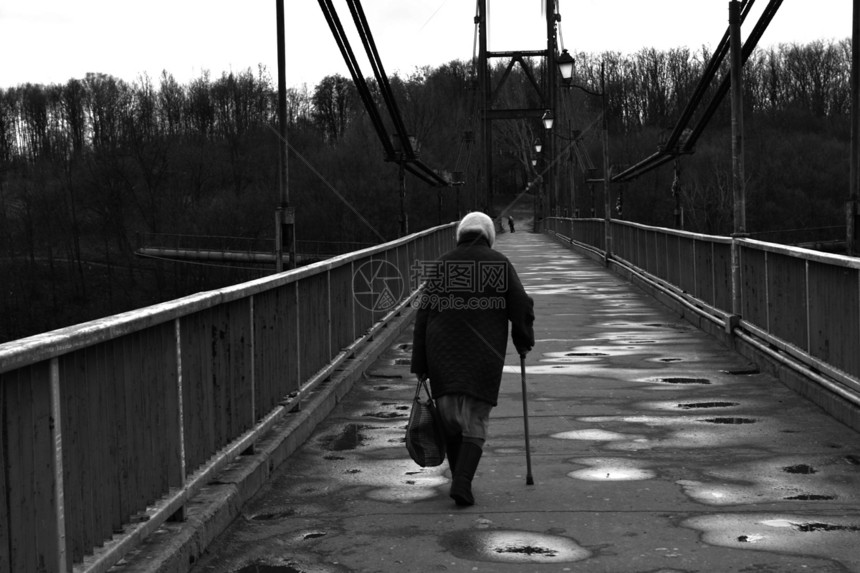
(51, 41)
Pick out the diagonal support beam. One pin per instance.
(671, 149)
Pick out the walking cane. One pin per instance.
(529, 479)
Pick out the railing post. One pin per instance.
(695, 250)
(329, 314)
(713, 275)
(298, 405)
(737, 299)
(767, 292)
(57, 439)
(807, 318)
(352, 307)
(183, 471)
(253, 373)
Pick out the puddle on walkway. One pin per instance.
(287, 565)
(691, 406)
(587, 353)
(777, 479)
(273, 515)
(800, 469)
(595, 435)
(510, 546)
(407, 494)
(612, 469)
(684, 380)
(654, 421)
(264, 568)
(384, 375)
(677, 327)
(706, 405)
(729, 420)
(560, 369)
(686, 431)
(573, 358)
(827, 536)
(392, 411)
(742, 372)
(397, 481)
(551, 288)
(353, 436)
(350, 438)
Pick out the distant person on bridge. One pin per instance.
(460, 339)
(511, 223)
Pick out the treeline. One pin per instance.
(796, 136)
(89, 165)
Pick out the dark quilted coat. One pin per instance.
(462, 346)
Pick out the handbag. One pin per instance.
(425, 437)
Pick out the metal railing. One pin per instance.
(235, 249)
(112, 425)
(799, 306)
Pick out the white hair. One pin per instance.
(476, 222)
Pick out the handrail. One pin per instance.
(26, 351)
(803, 253)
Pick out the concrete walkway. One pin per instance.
(653, 447)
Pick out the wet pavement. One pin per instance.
(654, 449)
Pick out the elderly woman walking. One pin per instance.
(460, 339)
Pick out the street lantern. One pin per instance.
(538, 145)
(547, 118)
(565, 65)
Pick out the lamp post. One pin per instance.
(574, 212)
(548, 119)
(537, 186)
(565, 65)
(538, 145)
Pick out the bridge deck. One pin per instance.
(653, 447)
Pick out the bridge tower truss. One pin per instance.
(490, 96)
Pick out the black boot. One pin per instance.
(467, 464)
(452, 451)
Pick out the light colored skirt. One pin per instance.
(465, 415)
